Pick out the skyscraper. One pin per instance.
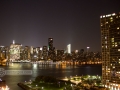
(110, 42)
(50, 47)
(60, 54)
(15, 51)
(69, 48)
(44, 52)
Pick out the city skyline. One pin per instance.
(75, 22)
(67, 49)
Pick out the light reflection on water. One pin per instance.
(52, 70)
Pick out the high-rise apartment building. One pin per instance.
(110, 41)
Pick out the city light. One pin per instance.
(88, 49)
(41, 48)
(69, 48)
(61, 39)
(5, 88)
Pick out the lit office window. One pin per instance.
(113, 66)
(112, 45)
(106, 46)
(105, 37)
(113, 14)
(115, 45)
(111, 18)
(112, 39)
(106, 22)
(104, 16)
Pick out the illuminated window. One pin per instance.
(106, 46)
(115, 45)
(113, 14)
(104, 16)
(106, 22)
(112, 45)
(111, 18)
(118, 49)
(109, 15)
(117, 27)
(113, 66)
(105, 37)
(112, 39)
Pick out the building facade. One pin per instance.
(45, 52)
(60, 54)
(110, 42)
(15, 51)
(4, 52)
(69, 48)
(50, 49)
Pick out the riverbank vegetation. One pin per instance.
(68, 83)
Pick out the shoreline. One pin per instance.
(89, 65)
(24, 87)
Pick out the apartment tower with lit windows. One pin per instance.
(110, 42)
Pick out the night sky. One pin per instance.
(32, 22)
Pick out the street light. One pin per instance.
(42, 88)
(59, 84)
(72, 86)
